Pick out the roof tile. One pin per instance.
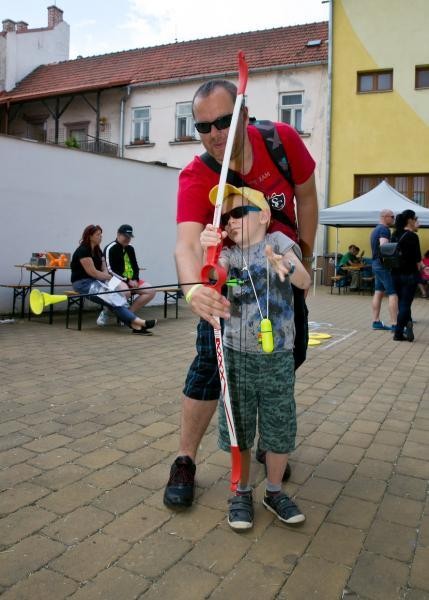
(182, 60)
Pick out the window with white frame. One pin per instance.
(141, 122)
(184, 121)
(291, 105)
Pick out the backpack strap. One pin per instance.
(275, 148)
(277, 153)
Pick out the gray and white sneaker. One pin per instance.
(283, 507)
(103, 318)
(240, 516)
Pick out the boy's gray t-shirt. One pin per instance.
(241, 330)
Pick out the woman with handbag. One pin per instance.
(406, 274)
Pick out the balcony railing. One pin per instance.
(91, 144)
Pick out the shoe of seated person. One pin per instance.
(142, 331)
(150, 324)
(103, 318)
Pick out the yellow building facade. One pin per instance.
(379, 105)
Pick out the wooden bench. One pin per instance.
(74, 299)
(171, 293)
(19, 291)
(336, 281)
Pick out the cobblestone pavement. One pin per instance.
(90, 424)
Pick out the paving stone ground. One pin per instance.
(89, 425)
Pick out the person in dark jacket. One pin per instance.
(406, 277)
(121, 262)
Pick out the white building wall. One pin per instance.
(27, 50)
(262, 98)
(64, 190)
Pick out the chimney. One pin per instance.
(55, 16)
(21, 26)
(8, 25)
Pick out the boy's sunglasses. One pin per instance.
(237, 213)
(220, 123)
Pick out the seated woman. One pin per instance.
(87, 266)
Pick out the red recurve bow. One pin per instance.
(213, 270)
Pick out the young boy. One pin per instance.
(261, 378)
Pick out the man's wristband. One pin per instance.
(188, 295)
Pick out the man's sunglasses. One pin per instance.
(237, 213)
(220, 123)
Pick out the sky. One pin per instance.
(102, 26)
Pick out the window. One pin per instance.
(141, 121)
(413, 186)
(291, 109)
(422, 77)
(185, 129)
(375, 81)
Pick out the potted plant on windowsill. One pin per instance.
(139, 142)
(185, 138)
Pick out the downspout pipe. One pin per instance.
(122, 121)
(328, 118)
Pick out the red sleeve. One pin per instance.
(195, 182)
(301, 162)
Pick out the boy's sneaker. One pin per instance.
(283, 507)
(179, 491)
(150, 324)
(380, 325)
(408, 331)
(103, 318)
(240, 515)
(260, 456)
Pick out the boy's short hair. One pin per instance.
(252, 196)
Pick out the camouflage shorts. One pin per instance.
(261, 387)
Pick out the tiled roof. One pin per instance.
(178, 61)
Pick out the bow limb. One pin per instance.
(213, 270)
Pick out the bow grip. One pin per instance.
(212, 273)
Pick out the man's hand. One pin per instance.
(132, 283)
(207, 303)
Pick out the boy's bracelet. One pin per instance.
(188, 295)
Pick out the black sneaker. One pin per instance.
(409, 333)
(142, 331)
(240, 515)
(261, 456)
(179, 491)
(150, 324)
(284, 508)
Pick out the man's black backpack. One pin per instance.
(277, 153)
(391, 254)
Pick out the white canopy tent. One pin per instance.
(364, 211)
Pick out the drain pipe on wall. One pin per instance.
(329, 117)
(121, 122)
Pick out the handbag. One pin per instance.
(391, 254)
